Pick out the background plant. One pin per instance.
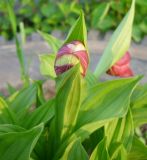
(80, 121)
(47, 15)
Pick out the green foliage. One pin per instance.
(49, 15)
(13, 142)
(99, 14)
(83, 110)
(100, 152)
(26, 95)
(6, 115)
(75, 151)
(69, 94)
(39, 15)
(138, 150)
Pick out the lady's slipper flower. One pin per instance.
(69, 55)
(122, 67)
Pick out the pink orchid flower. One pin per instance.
(122, 67)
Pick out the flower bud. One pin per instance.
(122, 67)
(69, 55)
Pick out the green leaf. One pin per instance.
(75, 151)
(42, 148)
(23, 99)
(6, 128)
(100, 152)
(141, 2)
(92, 141)
(118, 45)
(48, 9)
(78, 31)
(122, 155)
(12, 17)
(120, 130)
(22, 33)
(42, 114)
(114, 150)
(69, 93)
(64, 8)
(40, 98)
(19, 145)
(90, 79)
(19, 50)
(139, 116)
(52, 41)
(99, 13)
(138, 150)
(98, 106)
(47, 62)
(137, 33)
(139, 96)
(106, 24)
(143, 27)
(119, 6)
(139, 105)
(6, 115)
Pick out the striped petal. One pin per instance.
(69, 55)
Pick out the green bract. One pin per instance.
(85, 118)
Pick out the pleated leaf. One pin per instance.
(100, 152)
(23, 99)
(120, 130)
(75, 151)
(90, 79)
(138, 150)
(106, 101)
(139, 115)
(139, 96)
(19, 145)
(7, 128)
(42, 114)
(67, 101)
(6, 114)
(114, 150)
(122, 155)
(139, 105)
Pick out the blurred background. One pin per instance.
(50, 15)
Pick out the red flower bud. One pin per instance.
(69, 55)
(122, 67)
